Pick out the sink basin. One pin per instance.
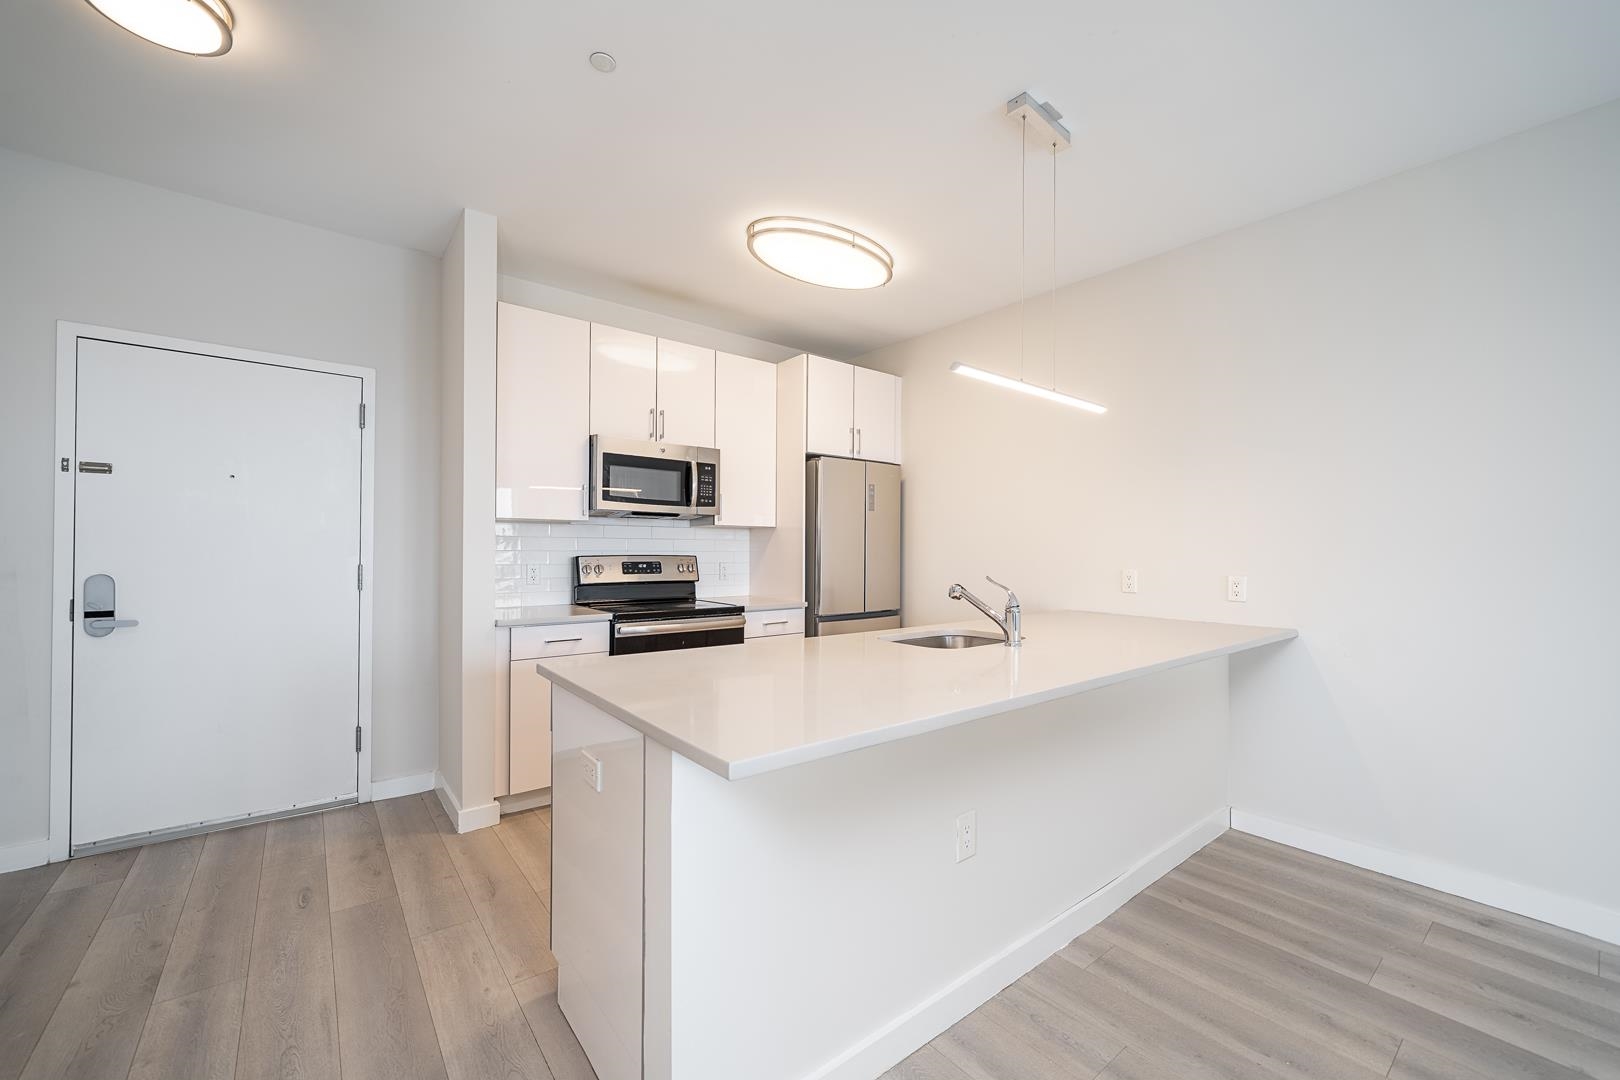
(951, 641)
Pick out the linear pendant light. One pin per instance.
(1023, 387)
(1026, 108)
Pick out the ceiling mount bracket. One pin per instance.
(1042, 117)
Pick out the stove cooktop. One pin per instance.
(663, 608)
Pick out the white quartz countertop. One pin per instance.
(542, 615)
(742, 710)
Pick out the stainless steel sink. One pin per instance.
(951, 641)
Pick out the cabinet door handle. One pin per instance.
(660, 425)
(860, 440)
(851, 442)
(652, 432)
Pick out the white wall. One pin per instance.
(86, 247)
(468, 691)
(1395, 412)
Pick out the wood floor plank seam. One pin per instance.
(1520, 930)
(1337, 990)
(1372, 1045)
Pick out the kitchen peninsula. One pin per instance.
(803, 858)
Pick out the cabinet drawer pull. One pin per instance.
(777, 622)
(562, 640)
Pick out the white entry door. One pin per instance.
(223, 499)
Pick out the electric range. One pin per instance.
(653, 603)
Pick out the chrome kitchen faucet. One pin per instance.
(1011, 618)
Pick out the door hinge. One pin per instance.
(360, 575)
(362, 414)
(357, 738)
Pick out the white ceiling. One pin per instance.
(381, 119)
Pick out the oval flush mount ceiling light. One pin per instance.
(603, 62)
(197, 27)
(820, 253)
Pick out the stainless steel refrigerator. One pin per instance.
(852, 541)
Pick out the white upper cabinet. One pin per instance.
(745, 433)
(644, 387)
(624, 383)
(851, 411)
(877, 415)
(686, 388)
(542, 415)
(830, 408)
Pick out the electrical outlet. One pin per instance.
(593, 770)
(1237, 589)
(1127, 581)
(531, 574)
(720, 571)
(967, 835)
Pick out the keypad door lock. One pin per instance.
(101, 606)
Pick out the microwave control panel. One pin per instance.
(705, 484)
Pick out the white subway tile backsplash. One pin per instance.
(552, 548)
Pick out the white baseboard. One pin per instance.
(395, 786)
(1581, 916)
(891, 1043)
(527, 800)
(466, 819)
(22, 856)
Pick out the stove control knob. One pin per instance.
(600, 569)
(586, 568)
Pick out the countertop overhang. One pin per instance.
(770, 703)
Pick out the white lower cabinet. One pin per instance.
(529, 700)
(773, 623)
(529, 765)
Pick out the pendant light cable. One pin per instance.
(1054, 264)
(1023, 250)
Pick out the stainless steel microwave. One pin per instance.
(635, 478)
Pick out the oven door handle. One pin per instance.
(678, 626)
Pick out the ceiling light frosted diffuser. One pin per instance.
(1028, 388)
(820, 253)
(197, 27)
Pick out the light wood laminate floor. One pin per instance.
(1254, 961)
(364, 943)
(373, 942)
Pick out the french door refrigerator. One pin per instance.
(852, 563)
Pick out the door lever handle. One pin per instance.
(101, 627)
